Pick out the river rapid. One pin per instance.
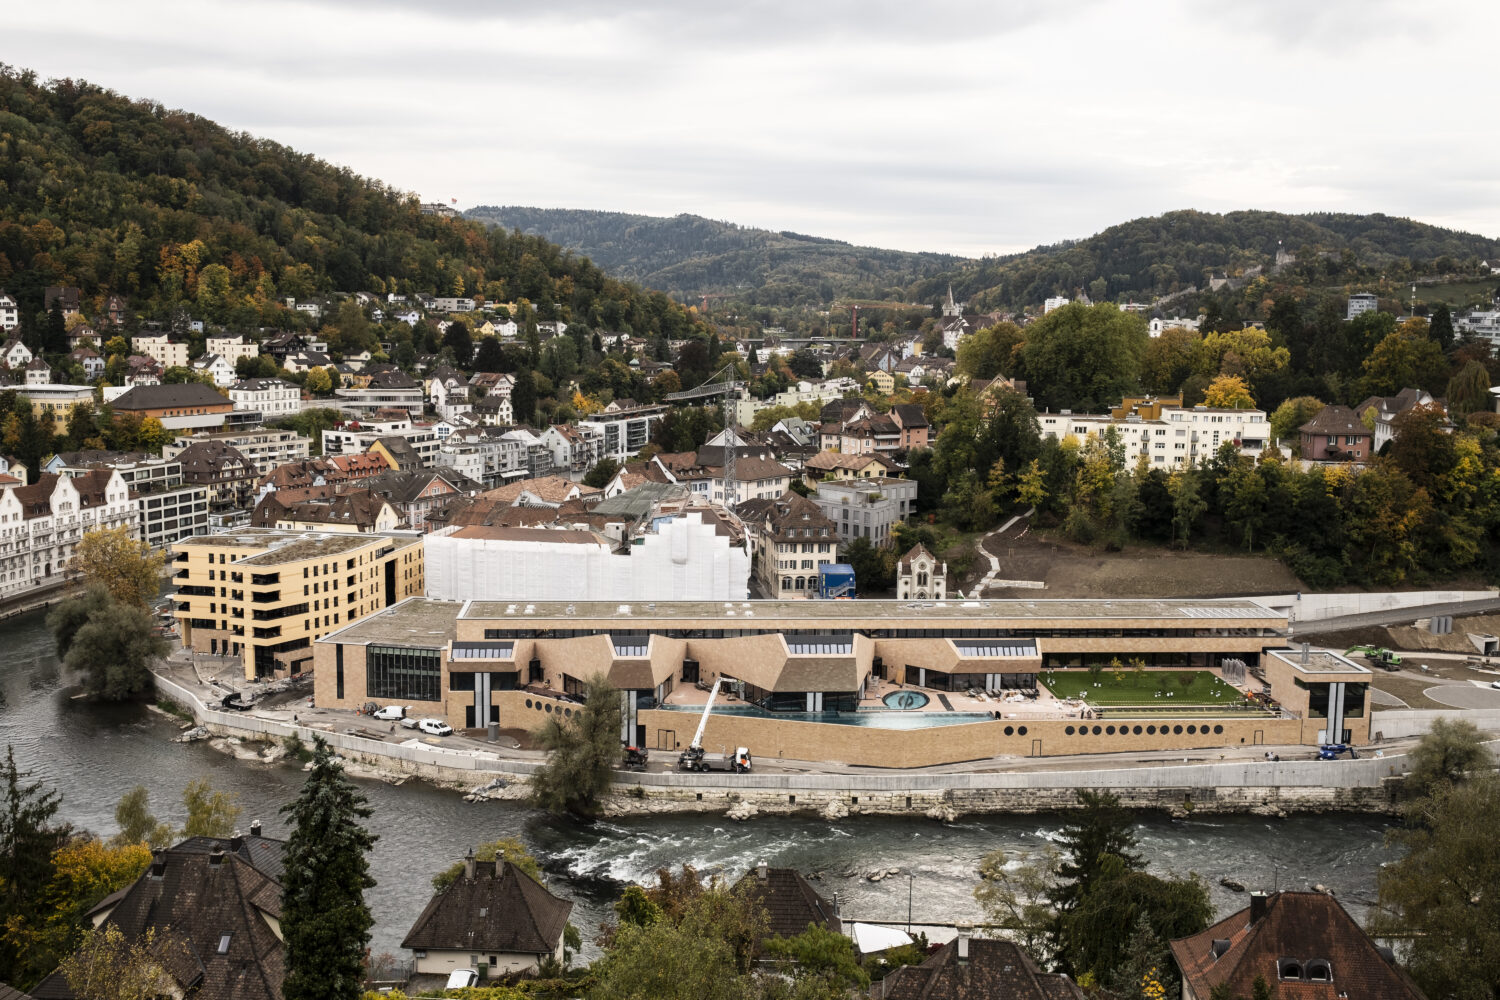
(93, 754)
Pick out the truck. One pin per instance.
(634, 758)
(1378, 655)
(695, 759)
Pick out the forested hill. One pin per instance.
(689, 256)
(169, 209)
(1151, 257)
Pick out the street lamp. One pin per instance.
(910, 876)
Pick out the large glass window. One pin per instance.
(403, 673)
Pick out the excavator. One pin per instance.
(694, 759)
(1377, 655)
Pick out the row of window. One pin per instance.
(1125, 730)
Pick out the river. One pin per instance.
(93, 754)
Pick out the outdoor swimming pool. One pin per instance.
(873, 718)
(906, 700)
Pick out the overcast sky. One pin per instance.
(966, 127)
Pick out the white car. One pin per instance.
(391, 713)
(435, 727)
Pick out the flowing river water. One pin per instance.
(93, 754)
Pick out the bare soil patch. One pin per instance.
(1076, 571)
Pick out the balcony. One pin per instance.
(264, 579)
(264, 596)
(267, 633)
(196, 591)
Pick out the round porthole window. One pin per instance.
(1097, 730)
(1218, 730)
(1177, 730)
(1010, 730)
(1137, 730)
(1192, 730)
(1109, 730)
(1022, 730)
(528, 702)
(567, 713)
(1150, 730)
(549, 709)
(1069, 731)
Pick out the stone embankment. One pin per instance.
(1259, 787)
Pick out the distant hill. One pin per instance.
(114, 195)
(688, 256)
(1151, 257)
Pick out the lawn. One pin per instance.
(1158, 688)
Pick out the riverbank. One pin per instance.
(1245, 786)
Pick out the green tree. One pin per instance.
(1014, 888)
(507, 849)
(602, 473)
(1440, 326)
(319, 382)
(637, 908)
(1100, 933)
(523, 397)
(128, 568)
(667, 961)
(1469, 391)
(138, 825)
(582, 752)
(1084, 357)
(824, 956)
(1443, 894)
(67, 618)
(109, 966)
(114, 650)
(1098, 829)
(990, 351)
(1407, 357)
(1188, 506)
(325, 921)
(874, 568)
(458, 340)
(1451, 750)
(1289, 417)
(489, 357)
(209, 813)
(28, 838)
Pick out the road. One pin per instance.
(1396, 616)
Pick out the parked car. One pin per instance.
(391, 713)
(435, 727)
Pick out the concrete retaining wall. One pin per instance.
(1395, 725)
(1312, 607)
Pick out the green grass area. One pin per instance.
(1156, 688)
(1457, 293)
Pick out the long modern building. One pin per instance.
(264, 594)
(800, 671)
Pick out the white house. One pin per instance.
(159, 348)
(217, 367)
(42, 524)
(15, 354)
(921, 576)
(231, 349)
(273, 397)
(10, 313)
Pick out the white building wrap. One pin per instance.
(682, 559)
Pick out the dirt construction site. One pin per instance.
(1437, 671)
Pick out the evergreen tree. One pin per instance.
(1441, 326)
(325, 921)
(27, 839)
(1100, 829)
(523, 397)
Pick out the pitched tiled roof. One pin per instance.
(204, 461)
(909, 415)
(500, 909)
(916, 551)
(357, 507)
(789, 516)
(1335, 420)
(157, 397)
(790, 901)
(1300, 926)
(994, 970)
(402, 452)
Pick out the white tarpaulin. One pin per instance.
(870, 938)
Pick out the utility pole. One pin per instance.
(731, 486)
(910, 876)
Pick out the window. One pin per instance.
(224, 944)
(402, 673)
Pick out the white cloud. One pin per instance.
(957, 125)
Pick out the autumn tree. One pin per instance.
(318, 382)
(126, 567)
(1228, 392)
(153, 436)
(109, 966)
(209, 813)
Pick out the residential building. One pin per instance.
(323, 471)
(415, 495)
(386, 390)
(921, 576)
(232, 348)
(141, 370)
(283, 345)
(625, 430)
(38, 372)
(10, 312)
(265, 595)
(15, 354)
(1298, 943)
(884, 382)
(451, 304)
(83, 335)
(167, 508)
(57, 400)
(339, 509)
(115, 309)
(1336, 434)
(837, 465)
(1481, 324)
(184, 406)
(790, 901)
(493, 919)
(271, 397)
(791, 538)
(1170, 434)
(697, 553)
(217, 367)
(469, 660)
(1157, 325)
(911, 420)
(355, 436)
(63, 296)
(224, 471)
(1388, 408)
(866, 508)
(1360, 303)
(1054, 302)
(89, 360)
(267, 447)
(968, 968)
(450, 395)
(210, 907)
(757, 475)
(160, 348)
(41, 524)
(491, 456)
(574, 448)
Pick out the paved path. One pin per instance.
(990, 577)
(1464, 696)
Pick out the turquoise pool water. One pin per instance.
(873, 718)
(906, 700)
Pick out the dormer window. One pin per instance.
(1289, 970)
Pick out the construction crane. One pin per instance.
(694, 759)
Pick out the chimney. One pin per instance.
(763, 871)
(469, 865)
(964, 930)
(158, 863)
(236, 842)
(1259, 901)
(1305, 649)
(255, 828)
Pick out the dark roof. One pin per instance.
(205, 461)
(499, 909)
(916, 551)
(1335, 420)
(158, 397)
(8, 993)
(788, 512)
(790, 901)
(994, 970)
(406, 487)
(200, 903)
(358, 507)
(1303, 926)
(909, 415)
(402, 453)
(393, 379)
(261, 384)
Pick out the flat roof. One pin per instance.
(1319, 661)
(571, 536)
(416, 621)
(284, 545)
(1226, 611)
